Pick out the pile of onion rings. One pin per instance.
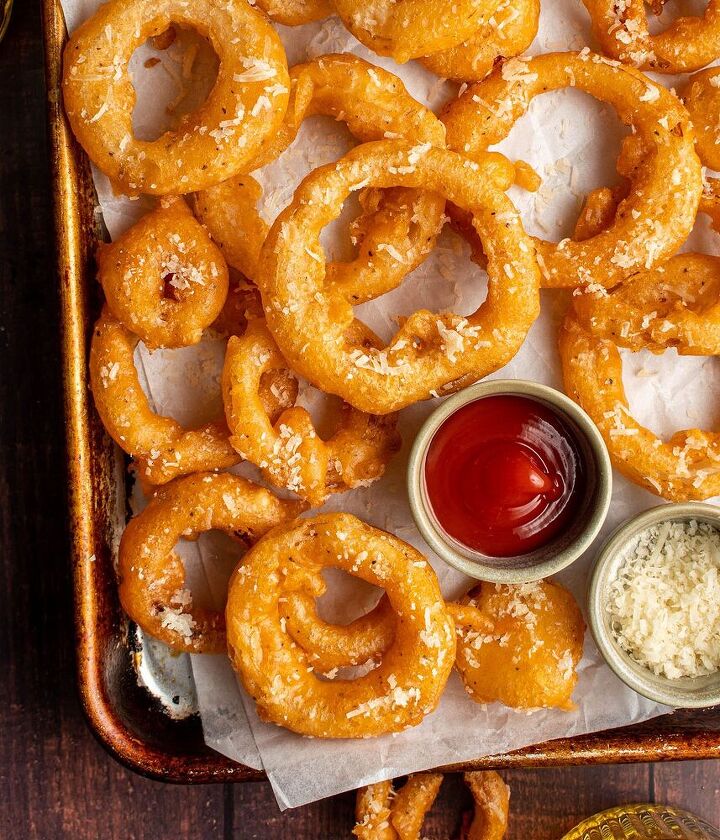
(374, 104)
(383, 813)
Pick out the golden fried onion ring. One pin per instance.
(405, 29)
(687, 44)
(685, 467)
(278, 674)
(163, 447)
(152, 576)
(701, 95)
(382, 813)
(290, 452)
(655, 218)
(314, 326)
(374, 104)
(508, 32)
(519, 644)
(244, 108)
(164, 279)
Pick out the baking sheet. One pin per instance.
(559, 137)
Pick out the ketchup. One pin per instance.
(504, 475)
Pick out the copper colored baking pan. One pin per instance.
(127, 718)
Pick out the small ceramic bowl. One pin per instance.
(687, 692)
(549, 558)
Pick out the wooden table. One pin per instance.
(56, 780)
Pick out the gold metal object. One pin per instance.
(643, 822)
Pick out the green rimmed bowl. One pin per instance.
(687, 692)
(547, 559)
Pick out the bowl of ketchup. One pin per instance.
(509, 481)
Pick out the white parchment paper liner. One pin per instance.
(572, 141)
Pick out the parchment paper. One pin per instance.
(572, 141)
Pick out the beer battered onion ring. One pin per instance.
(373, 103)
(385, 814)
(152, 576)
(658, 213)
(407, 683)
(314, 326)
(685, 467)
(405, 29)
(687, 44)
(701, 95)
(244, 108)
(164, 279)
(519, 644)
(295, 12)
(508, 32)
(290, 452)
(162, 446)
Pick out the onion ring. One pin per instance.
(659, 211)
(162, 446)
(244, 108)
(381, 813)
(492, 804)
(405, 29)
(314, 326)
(164, 279)
(702, 99)
(687, 44)
(152, 577)
(519, 644)
(685, 467)
(277, 673)
(290, 452)
(508, 32)
(373, 103)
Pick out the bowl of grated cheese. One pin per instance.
(654, 604)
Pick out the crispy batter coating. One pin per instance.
(406, 29)
(289, 451)
(374, 104)
(655, 217)
(506, 33)
(164, 279)
(519, 644)
(382, 813)
(314, 325)
(243, 110)
(152, 576)
(407, 683)
(687, 44)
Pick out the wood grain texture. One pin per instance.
(57, 781)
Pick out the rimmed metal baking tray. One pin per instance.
(129, 719)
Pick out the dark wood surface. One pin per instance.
(56, 780)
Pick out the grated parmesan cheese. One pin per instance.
(664, 605)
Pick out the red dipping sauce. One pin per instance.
(504, 475)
